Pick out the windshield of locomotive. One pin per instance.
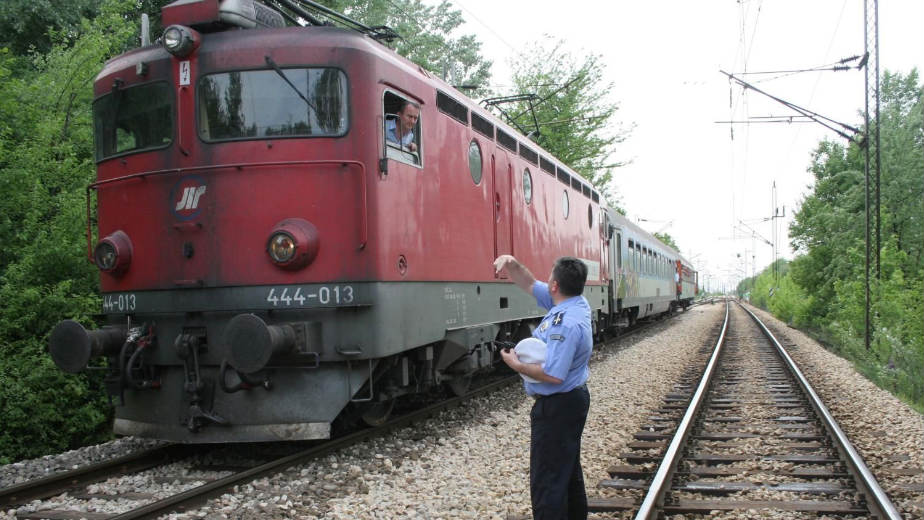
(133, 119)
(273, 103)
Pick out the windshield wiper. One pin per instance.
(271, 63)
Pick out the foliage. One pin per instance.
(829, 289)
(25, 24)
(668, 240)
(577, 121)
(46, 145)
(775, 290)
(425, 36)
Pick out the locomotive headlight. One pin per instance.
(293, 243)
(180, 40)
(106, 256)
(113, 254)
(281, 248)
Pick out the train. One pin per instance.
(272, 266)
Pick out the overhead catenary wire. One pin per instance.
(827, 122)
(486, 26)
(836, 66)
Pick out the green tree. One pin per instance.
(829, 232)
(27, 25)
(668, 240)
(577, 119)
(425, 36)
(46, 144)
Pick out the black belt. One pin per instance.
(540, 396)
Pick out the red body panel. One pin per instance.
(190, 12)
(447, 227)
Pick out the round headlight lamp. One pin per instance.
(105, 256)
(282, 247)
(180, 40)
(293, 243)
(113, 254)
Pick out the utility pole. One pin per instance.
(871, 63)
(777, 213)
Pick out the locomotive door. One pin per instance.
(500, 178)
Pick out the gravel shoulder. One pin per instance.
(473, 462)
(887, 433)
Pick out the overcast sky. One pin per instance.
(688, 177)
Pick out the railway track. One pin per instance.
(175, 478)
(202, 480)
(746, 433)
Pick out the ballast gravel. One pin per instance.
(886, 432)
(473, 462)
(18, 472)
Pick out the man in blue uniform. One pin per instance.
(556, 481)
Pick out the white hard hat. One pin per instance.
(530, 350)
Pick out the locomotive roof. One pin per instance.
(322, 36)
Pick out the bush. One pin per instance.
(46, 162)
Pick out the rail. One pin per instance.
(660, 483)
(880, 505)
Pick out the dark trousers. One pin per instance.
(556, 481)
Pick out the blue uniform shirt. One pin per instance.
(567, 334)
(391, 133)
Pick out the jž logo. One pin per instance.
(190, 198)
(186, 197)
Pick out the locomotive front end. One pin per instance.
(231, 212)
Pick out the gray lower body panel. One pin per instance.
(250, 432)
(307, 391)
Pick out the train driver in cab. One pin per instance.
(400, 131)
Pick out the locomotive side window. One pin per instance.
(402, 128)
(564, 203)
(133, 119)
(474, 161)
(273, 103)
(527, 185)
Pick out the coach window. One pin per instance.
(527, 185)
(590, 216)
(619, 250)
(402, 128)
(474, 161)
(564, 203)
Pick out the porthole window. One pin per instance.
(527, 186)
(474, 161)
(564, 203)
(590, 216)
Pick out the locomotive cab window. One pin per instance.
(269, 104)
(133, 119)
(402, 128)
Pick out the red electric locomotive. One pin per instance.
(271, 260)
